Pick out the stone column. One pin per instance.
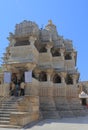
(49, 46)
(49, 72)
(32, 40)
(37, 72)
(63, 76)
(48, 77)
(73, 55)
(62, 52)
(74, 77)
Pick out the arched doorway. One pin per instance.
(84, 101)
(55, 52)
(69, 79)
(43, 76)
(56, 79)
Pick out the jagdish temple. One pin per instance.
(46, 63)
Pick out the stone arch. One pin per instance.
(43, 76)
(69, 79)
(55, 52)
(56, 79)
(43, 49)
(68, 56)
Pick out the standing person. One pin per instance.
(12, 89)
(17, 90)
(22, 87)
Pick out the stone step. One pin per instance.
(46, 108)
(66, 114)
(7, 109)
(6, 125)
(4, 122)
(8, 102)
(5, 118)
(50, 114)
(79, 112)
(4, 115)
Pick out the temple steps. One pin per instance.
(60, 107)
(7, 106)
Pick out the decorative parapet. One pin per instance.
(23, 54)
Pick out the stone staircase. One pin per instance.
(48, 108)
(16, 112)
(61, 107)
(8, 105)
(68, 107)
(77, 108)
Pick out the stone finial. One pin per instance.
(50, 22)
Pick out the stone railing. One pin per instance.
(57, 90)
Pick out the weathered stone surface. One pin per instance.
(53, 88)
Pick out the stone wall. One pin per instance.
(27, 111)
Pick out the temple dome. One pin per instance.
(26, 28)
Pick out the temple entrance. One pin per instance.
(84, 101)
(17, 85)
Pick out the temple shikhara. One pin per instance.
(39, 78)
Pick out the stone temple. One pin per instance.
(46, 63)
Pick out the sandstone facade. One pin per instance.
(52, 60)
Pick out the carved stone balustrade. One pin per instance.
(23, 54)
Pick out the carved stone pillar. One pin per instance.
(37, 73)
(48, 77)
(62, 52)
(63, 76)
(74, 77)
(73, 55)
(49, 46)
(49, 72)
(32, 40)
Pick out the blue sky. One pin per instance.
(70, 17)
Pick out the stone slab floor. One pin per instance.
(79, 123)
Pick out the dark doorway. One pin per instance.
(57, 79)
(43, 76)
(84, 102)
(69, 79)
